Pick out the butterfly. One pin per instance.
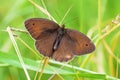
(57, 42)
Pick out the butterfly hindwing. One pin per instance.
(64, 50)
(45, 44)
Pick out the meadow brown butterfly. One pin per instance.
(56, 42)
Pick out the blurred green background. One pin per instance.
(98, 19)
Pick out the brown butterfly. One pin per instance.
(56, 42)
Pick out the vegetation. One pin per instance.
(98, 19)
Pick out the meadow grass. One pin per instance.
(98, 19)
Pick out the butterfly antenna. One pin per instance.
(66, 14)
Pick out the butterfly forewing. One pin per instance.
(82, 44)
(38, 26)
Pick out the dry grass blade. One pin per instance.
(18, 52)
(110, 51)
(42, 10)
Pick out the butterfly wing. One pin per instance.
(39, 27)
(73, 43)
(64, 50)
(45, 44)
(82, 44)
(44, 32)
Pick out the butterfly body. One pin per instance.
(60, 33)
(56, 42)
